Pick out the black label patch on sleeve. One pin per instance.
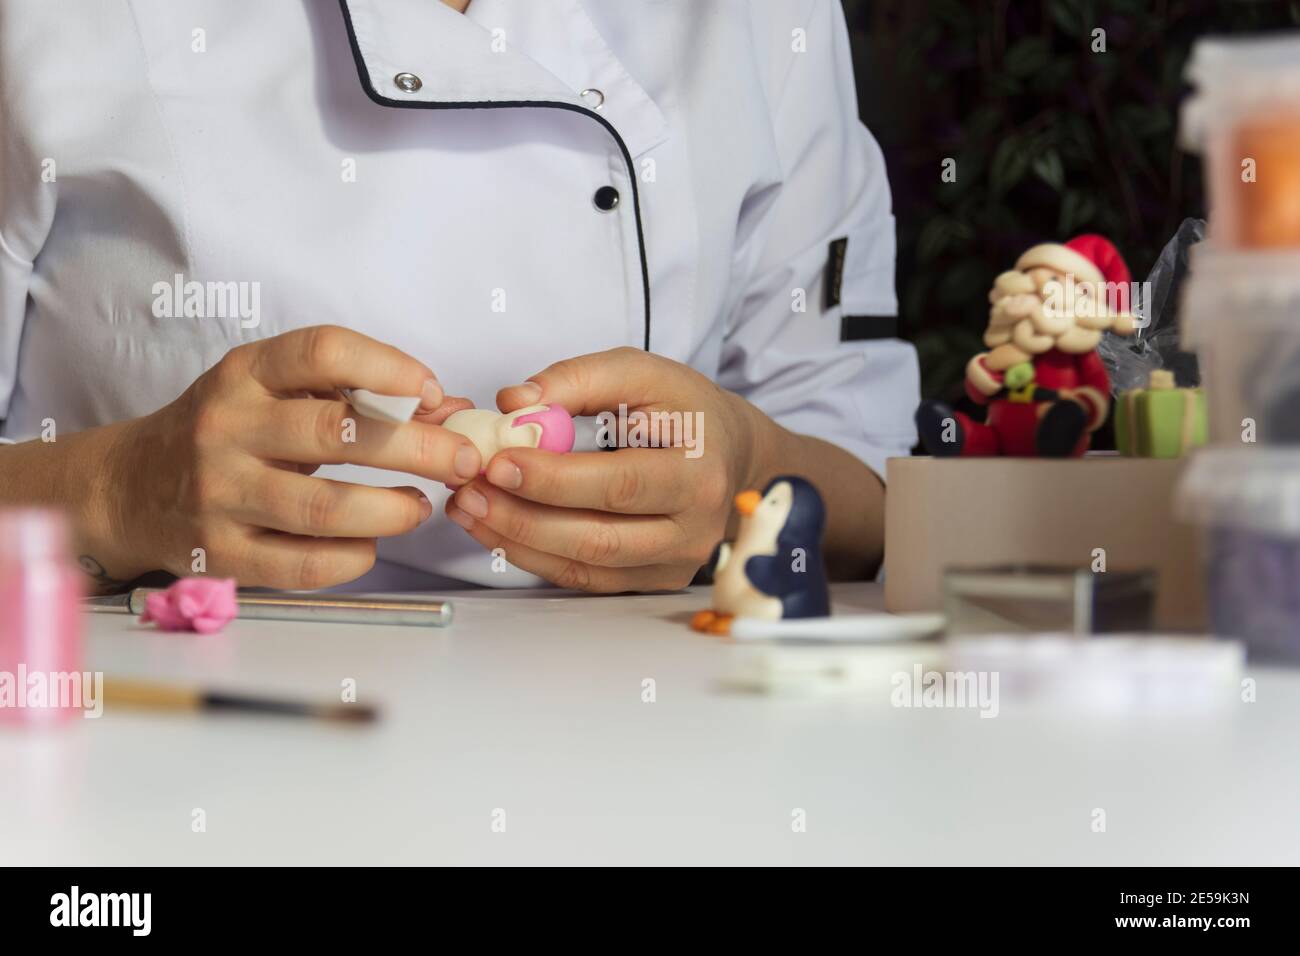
(856, 328)
(835, 271)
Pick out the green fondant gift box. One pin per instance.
(1159, 421)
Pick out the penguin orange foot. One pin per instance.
(701, 620)
(712, 622)
(720, 625)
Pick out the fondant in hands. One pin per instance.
(548, 427)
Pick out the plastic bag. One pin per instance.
(1130, 360)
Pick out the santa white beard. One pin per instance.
(1026, 319)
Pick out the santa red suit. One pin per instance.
(1016, 416)
(1049, 404)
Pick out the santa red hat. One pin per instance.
(1089, 258)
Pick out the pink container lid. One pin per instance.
(33, 534)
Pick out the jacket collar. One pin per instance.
(461, 61)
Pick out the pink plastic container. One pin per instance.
(40, 618)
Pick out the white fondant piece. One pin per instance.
(491, 431)
(732, 591)
(397, 409)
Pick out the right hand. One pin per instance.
(227, 466)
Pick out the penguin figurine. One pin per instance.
(774, 569)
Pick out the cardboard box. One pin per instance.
(976, 512)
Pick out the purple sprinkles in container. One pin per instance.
(1248, 502)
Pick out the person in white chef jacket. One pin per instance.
(666, 206)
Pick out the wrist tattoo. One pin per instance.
(96, 572)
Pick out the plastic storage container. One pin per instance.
(1248, 504)
(1241, 315)
(1245, 119)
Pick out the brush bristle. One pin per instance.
(348, 713)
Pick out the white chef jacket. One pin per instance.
(436, 181)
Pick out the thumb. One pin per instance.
(588, 384)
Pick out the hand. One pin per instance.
(979, 377)
(226, 467)
(631, 519)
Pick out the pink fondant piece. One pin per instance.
(203, 605)
(557, 428)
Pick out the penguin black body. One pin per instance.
(800, 585)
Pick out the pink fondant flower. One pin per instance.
(204, 605)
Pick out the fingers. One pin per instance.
(302, 563)
(311, 430)
(291, 502)
(628, 481)
(325, 357)
(588, 537)
(567, 572)
(589, 384)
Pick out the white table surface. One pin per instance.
(532, 704)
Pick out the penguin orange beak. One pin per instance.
(747, 502)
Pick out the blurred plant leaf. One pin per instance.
(972, 165)
(986, 118)
(1137, 8)
(1026, 57)
(1077, 209)
(1143, 122)
(964, 281)
(1010, 162)
(940, 234)
(1049, 168)
(955, 13)
(1003, 84)
(1055, 73)
(1071, 16)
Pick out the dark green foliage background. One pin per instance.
(1050, 138)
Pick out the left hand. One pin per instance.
(635, 519)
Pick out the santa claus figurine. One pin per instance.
(1042, 380)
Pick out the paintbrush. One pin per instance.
(150, 696)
